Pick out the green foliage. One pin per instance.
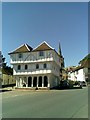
(76, 83)
(71, 82)
(5, 69)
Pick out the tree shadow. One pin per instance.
(4, 91)
(66, 88)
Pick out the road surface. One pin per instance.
(45, 104)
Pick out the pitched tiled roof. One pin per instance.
(78, 68)
(23, 48)
(86, 63)
(43, 46)
(85, 58)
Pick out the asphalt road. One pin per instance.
(45, 104)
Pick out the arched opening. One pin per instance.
(45, 81)
(40, 81)
(35, 82)
(29, 81)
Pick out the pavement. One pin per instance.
(72, 103)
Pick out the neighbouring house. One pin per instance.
(7, 78)
(81, 72)
(70, 72)
(36, 68)
(85, 62)
(77, 74)
(6, 73)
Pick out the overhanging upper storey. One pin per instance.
(27, 55)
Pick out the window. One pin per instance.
(88, 70)
(20, 55)
(26, 67)
(37, 66)
(77, 72)
(69, 76)
(45, 65)
(19, 67)
(41, 53)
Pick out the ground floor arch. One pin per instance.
(40, 81)
(45, 81)
(35, 82)
(29, 81)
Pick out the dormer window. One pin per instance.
(41, 53)
(20, 55)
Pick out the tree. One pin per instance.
(4, 66)
(2, 61)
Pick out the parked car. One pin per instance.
(83, 83)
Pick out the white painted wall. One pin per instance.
(80, 76)
(77, 75)
(50, 57)
(52, 67)
(71, 76)
(30, 57)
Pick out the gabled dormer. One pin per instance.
(43, 47)
(22, 49)
(20, 53)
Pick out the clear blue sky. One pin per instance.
(33, 23)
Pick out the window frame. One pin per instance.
(37, 66)
(20, 55)
(41, 53)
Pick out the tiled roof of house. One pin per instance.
(78, 68)
(43, 46)
(23, 48)
(70, 69)
(85, 62)
(86, 57)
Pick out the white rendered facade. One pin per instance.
(78, 75)
(39, 67)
